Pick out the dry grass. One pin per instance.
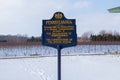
(19, 44)
(39, 43)
(99, 43)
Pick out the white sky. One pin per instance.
(25, 16)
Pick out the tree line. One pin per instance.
(86, 37)
(34, 39)
(105, 36)
(19, 38)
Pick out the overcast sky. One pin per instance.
(25, 16)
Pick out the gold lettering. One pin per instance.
(65, 34)
(59, 41)
(52, 22)
(62, 28)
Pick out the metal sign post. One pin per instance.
(59, 62)
(59, 33)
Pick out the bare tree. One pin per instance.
(102, 32)
(86, 35)
(13, 38)
(116, 33)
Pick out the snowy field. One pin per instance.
(47, 51)
(104, 67)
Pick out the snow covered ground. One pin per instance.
(8, 51)
(96, 67)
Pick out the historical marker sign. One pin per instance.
(59, 31)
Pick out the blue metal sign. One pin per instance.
(59, 31)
